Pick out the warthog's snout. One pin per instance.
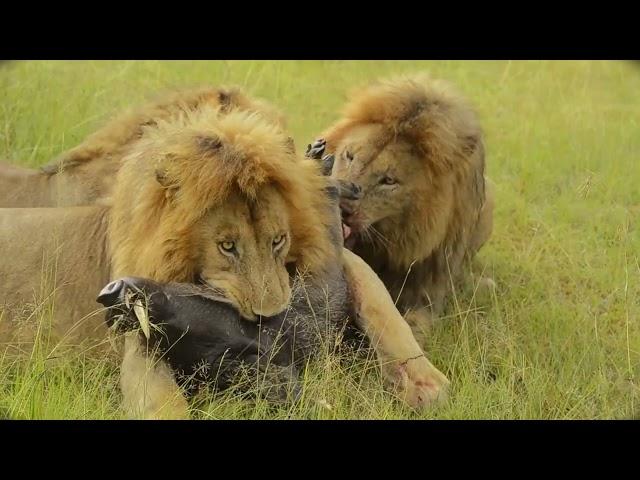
(110, 294)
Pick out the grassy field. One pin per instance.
(560, 339)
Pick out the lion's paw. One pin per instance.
(418, 382)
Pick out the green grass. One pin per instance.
(560, 339)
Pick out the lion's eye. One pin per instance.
(227, 248)
(387, 180)
(278, 241)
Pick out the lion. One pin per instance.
(84, 174)
(53, 259)
(417, 205)
(225, 202)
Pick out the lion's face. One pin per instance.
(224, 200)
(243, 246)
(386, 183)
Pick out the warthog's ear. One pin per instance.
(327, 164)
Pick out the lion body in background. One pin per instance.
(84, 174)
(53, 261)
(414, 149)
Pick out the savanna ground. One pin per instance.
(560, 337)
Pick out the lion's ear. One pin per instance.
(472, 143)
(226, 99)
(290, 145)
(169, 185)
(208, 143)
(223, 97)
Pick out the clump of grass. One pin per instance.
(52, 382)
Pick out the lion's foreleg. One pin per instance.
(148, 387)
(403, 362)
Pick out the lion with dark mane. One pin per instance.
(411, 151)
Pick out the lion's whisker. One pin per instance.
(380, 236)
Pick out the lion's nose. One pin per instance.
(350, 191)
(348, 209)
(270, 306)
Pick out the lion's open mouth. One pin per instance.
(346, 231)
(353, 223)
(349, 235)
